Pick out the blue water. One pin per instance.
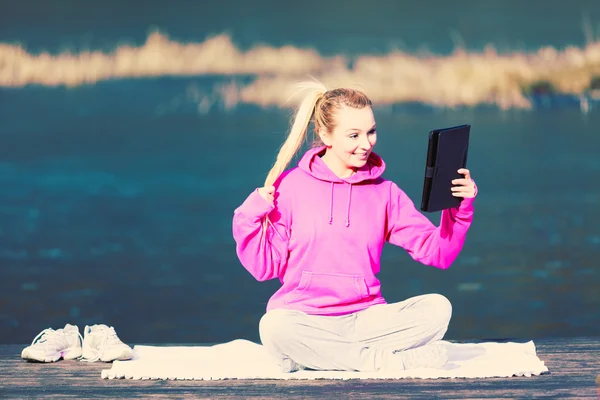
(331, 27)
(117, 198)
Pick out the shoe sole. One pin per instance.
(108, 360)
(69, 354)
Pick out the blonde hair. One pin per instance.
(317, 106)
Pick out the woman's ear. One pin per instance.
(325, 137)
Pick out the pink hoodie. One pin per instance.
(327, 234)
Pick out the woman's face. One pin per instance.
(354, 136)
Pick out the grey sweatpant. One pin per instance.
(361, 341)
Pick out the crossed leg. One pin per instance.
(363, 341)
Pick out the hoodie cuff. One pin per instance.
(255, 207)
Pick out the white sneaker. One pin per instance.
(101, 343)
(50, 345)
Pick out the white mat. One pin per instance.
(242, 359)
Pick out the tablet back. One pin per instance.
(446, 153)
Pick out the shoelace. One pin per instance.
(109, 337)
(48, 334)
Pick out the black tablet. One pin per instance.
(446, 154)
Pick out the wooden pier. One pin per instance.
(574, 365)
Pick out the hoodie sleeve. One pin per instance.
(261, 252)
(426, 243)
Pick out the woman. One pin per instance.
(320, 228)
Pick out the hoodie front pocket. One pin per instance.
(320, 290)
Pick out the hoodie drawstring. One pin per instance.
(331, 205)
(348, 211)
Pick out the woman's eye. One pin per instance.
(372, 132)
(353, 136)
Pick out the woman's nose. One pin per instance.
(365, 143)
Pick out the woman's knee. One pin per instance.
(441, 309)
(275, 328)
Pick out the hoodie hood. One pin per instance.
(312, 164)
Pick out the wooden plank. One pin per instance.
(574, 364)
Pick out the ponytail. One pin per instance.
(298, 132)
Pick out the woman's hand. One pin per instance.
(465, 187)
(268, 193)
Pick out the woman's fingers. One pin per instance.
(463, 191)
(267, 192)
(465, 172)
(466, 195)
(465, 187)
(461, 181)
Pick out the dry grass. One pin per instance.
(462, 78)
